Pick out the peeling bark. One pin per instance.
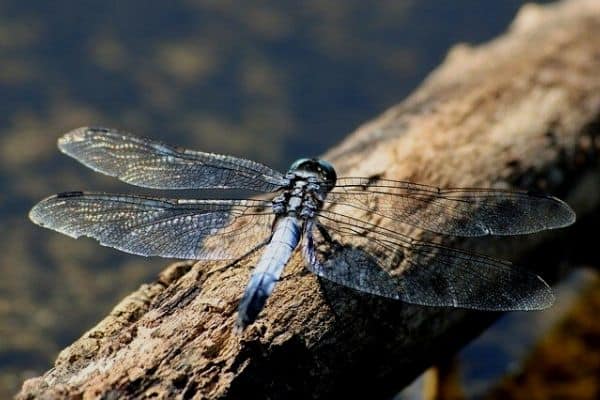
(521, 111)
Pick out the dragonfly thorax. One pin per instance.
(302, 199)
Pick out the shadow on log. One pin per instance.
(521, 111)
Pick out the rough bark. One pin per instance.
(522, 110)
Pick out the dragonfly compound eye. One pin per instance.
(325, 170)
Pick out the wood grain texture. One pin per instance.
(522, 110)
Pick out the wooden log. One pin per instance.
(522, 110)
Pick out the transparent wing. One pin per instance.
(186, 229)
(382, 262)
(147, 163)
(460, 212)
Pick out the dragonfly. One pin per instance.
(328, 219)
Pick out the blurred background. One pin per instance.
(271, 81)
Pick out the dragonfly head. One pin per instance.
(305, 167)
